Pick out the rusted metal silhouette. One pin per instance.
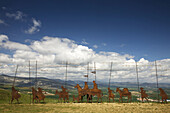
(75, 99)
(62, 95)
(111, 95)
(95, 91)
(85, 89)
(143, 94)
(34, 94)
(90, 92)
(83, 92)
(40, 95)
(15, 95)
(125, 92)
(163, 95)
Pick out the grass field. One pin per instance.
(51, 104)
(86, 108)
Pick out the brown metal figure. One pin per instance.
(15, 95)
(111, 95)
(163, 95)
(34, 94)
(125, 92)
(62, 95)
(143, 94)
(75, 99)
(40, 95)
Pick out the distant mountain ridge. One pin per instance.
(57, 83)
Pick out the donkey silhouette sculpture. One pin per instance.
(62, 95)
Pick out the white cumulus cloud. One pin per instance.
(35, 27)
(53, 52)
(17, 16)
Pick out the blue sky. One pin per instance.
(136, 27)
(81, 31)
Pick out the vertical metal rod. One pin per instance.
(87, 72)
(36, 76)
(66, 75)
(15, 75)
(30, 81)
(95, 70)
(110, 74)
(157, 79)
(137, 75)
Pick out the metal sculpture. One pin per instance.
(163, 95)
(111, 95)
(15, 95)
(34, 94)
(143, 94)
(125, 92)
(40, 95)
(62, 95)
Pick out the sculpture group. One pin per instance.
(90, 93)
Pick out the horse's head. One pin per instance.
(141, 88)
(117, 89)
(108, 88)
(40, 89)
(160, 89)
(85, 83)
(76, 86)
(94, 81)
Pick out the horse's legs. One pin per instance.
(146, 99)
(97, 99)
(12, 100)
(128, 99)
(17, 100)
(68, 99)
(142, 99)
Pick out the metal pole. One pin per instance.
(66, 75)
(30, 81)
(95, 70)
(87, 72)
(157, 79)
(36, 76)
(15, 75)
(137, 75)
(110, 74)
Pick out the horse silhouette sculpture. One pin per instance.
(75, 99)
(63, 94)
(34, 94)
(83, 92)
(40, 95)
(125, 93)
(111, 95)
(143, 94)
(15, 95)
(163, 95)
(95, 91)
